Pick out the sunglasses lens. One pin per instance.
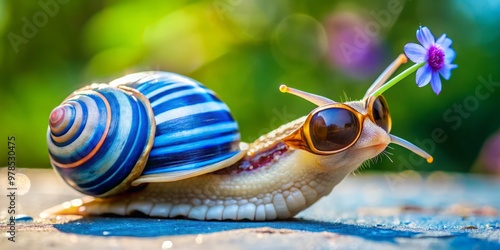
(333, 129)
(380, 111)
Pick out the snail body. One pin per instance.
(188, 160)
(273, 181)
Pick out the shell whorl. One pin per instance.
(93, 144)
(144, 127)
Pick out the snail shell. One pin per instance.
(144, 127)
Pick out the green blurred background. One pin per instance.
(243, 49)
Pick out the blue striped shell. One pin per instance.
(189, 132)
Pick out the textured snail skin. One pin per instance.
(291, 181)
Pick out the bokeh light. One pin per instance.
(353, 48)
(294, 35)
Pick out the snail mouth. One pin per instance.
(373, 149)
(378, 147)
(375, 143)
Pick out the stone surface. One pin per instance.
(368, 211)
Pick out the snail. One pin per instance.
(163, 145)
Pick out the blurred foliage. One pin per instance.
(244, 50)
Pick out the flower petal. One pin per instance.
(424, 75)
(415, 52)
(436, 82)
(449, 56)
(444, 42)
(445, 71)
(425, 37)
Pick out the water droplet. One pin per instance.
(76, 202)
(167, 244)
(198, 239)
(23, 184)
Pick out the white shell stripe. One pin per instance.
(189, 110)
(178, 94)
(199, 144)
(165, 88)
(165, 139)
(188, 166)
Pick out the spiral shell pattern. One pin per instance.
(194, 128)
(99, 139)
(144, 127)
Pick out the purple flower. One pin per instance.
(437, 56)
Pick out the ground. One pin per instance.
(367, 211)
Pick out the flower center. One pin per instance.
(436, 57)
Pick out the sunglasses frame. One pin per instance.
(301, 137)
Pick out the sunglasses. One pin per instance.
(335, 127)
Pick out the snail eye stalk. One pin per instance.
(316, 99)
(402, 59)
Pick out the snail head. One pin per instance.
(354, 130)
